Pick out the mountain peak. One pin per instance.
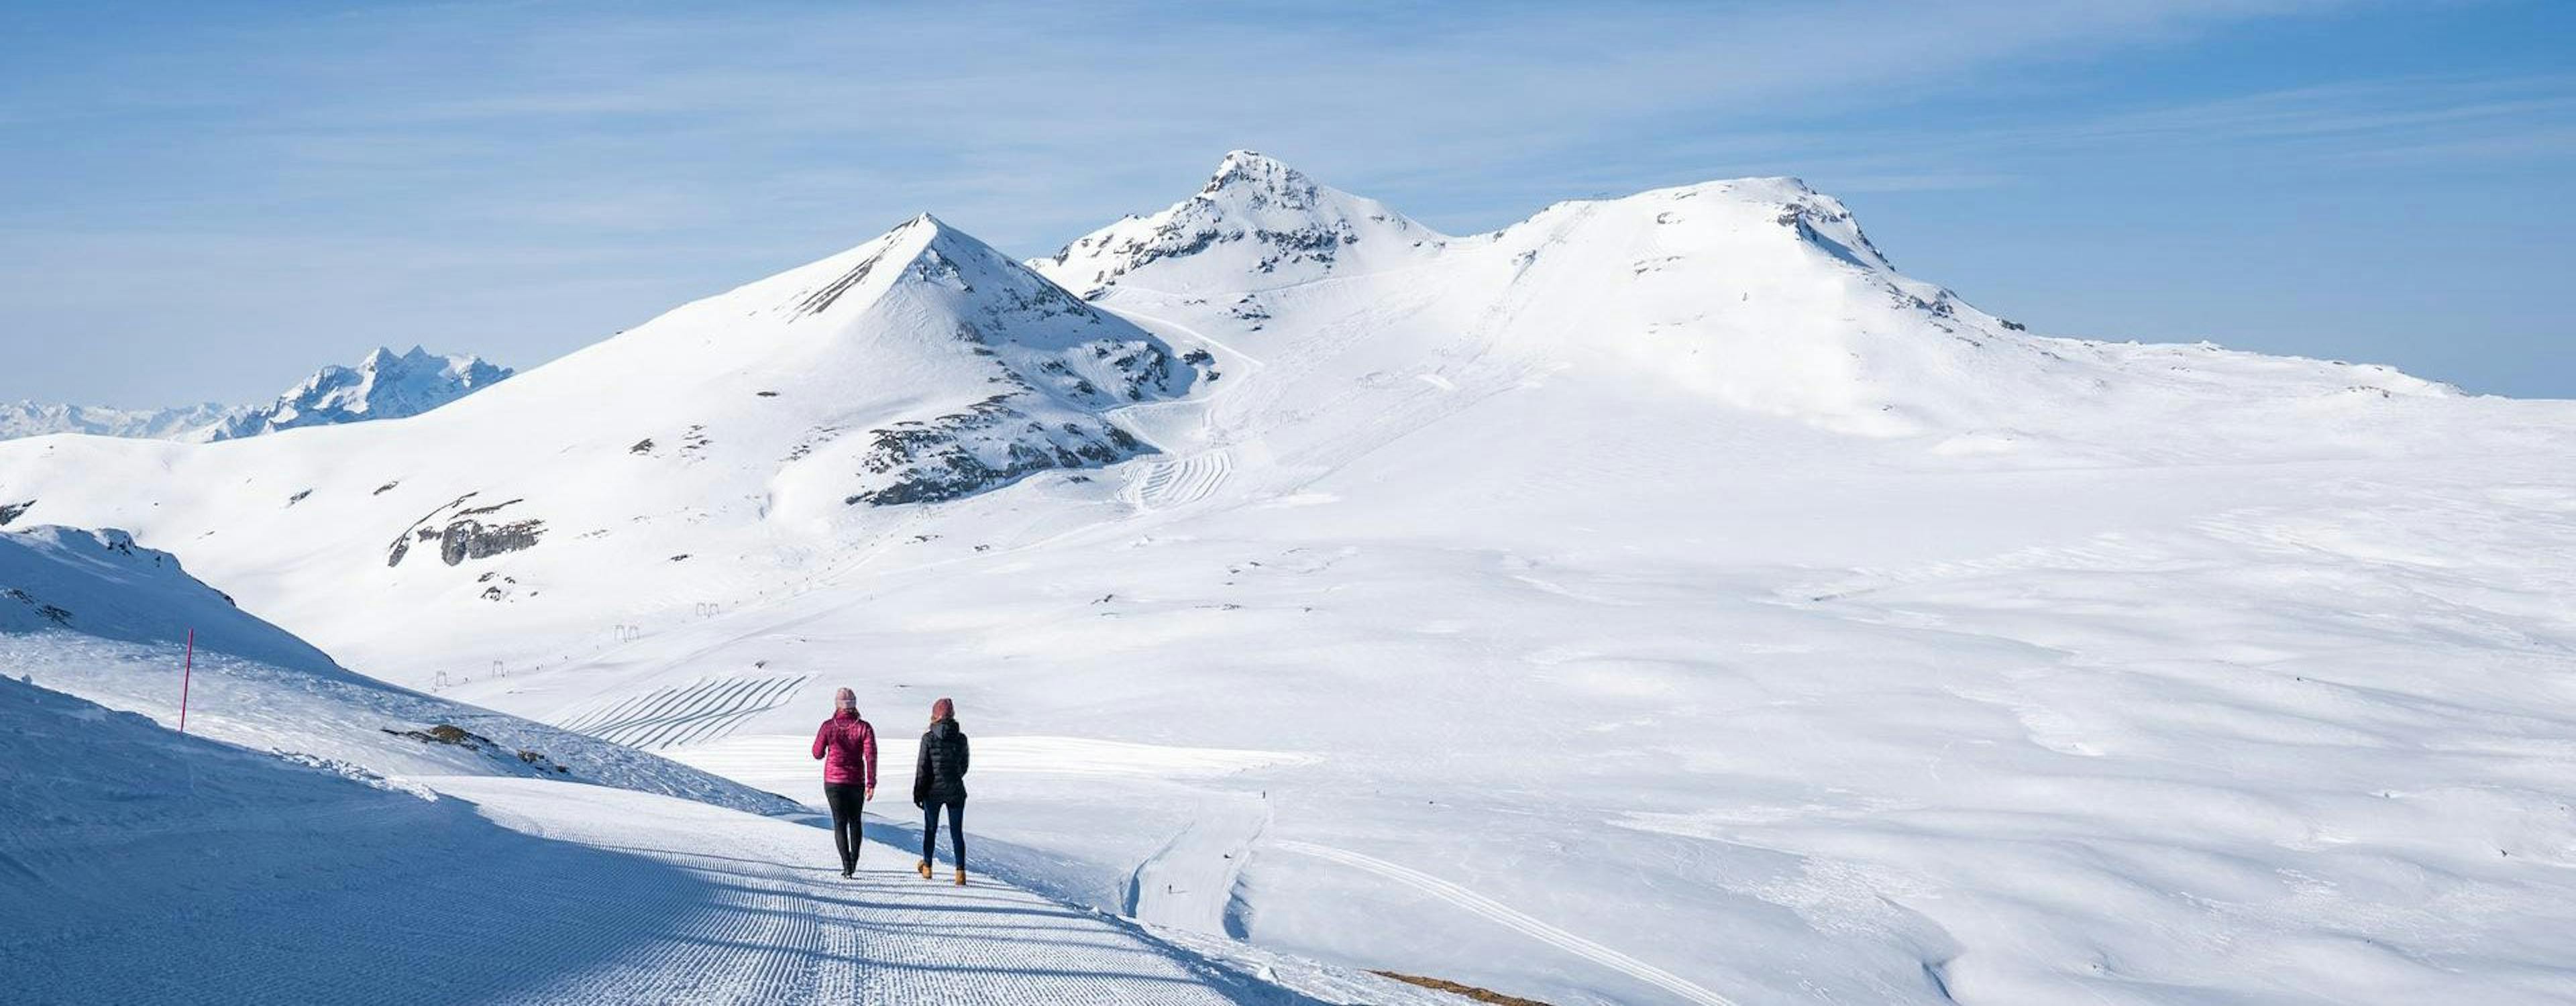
(1258, 175)
(922, 247)
(1256, 219)
(383, 357)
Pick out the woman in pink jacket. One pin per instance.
(847, 747)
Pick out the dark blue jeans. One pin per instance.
(956, 829)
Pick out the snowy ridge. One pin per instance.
(1757, 293)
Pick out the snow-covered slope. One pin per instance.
(385, 385)
(1660, 599)
(148, 865)
(99, 583)
(94, 614)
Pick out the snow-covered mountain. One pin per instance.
(384, 385)
(773, 425)
(1657, 599)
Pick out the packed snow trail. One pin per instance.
(139, 864)
(1516, 920)
(635, 898)
(772, 923)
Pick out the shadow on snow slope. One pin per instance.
(137, 864)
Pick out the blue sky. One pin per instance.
(208, 200)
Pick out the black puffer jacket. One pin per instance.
(939, 772)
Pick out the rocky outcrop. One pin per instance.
(467, 532)
(987, 445)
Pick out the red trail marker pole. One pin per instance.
(187, 669)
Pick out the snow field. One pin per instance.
(1676, 605)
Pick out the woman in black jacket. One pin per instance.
(939, 780)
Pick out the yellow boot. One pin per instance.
(925, 869)
(961, 876)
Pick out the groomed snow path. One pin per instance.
(591, 895)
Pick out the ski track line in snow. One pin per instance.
(1162, 485)
(689, 714)
(1513, 919)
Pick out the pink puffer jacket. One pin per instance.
(848, 748)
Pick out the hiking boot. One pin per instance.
(925, 869)
(961, 876)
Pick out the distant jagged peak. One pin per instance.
(384, 385)
(383, 363)
(1257, 223)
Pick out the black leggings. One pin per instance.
(847, 799)
(956, 829)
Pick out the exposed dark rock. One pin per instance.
(464, 536)
(12, 511)
(644, 446)
(820, 300)
(472, 539)
(58, 616)
(460, 737)
(939, 460)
